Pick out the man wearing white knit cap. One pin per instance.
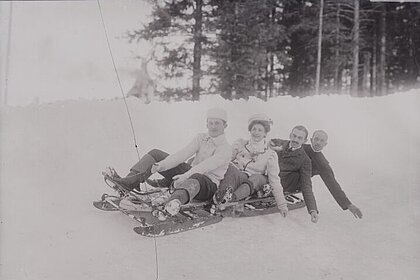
(200, 179)
(212, 155)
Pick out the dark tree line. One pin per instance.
(265, 48)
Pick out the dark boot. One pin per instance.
(130, 181)
(144, 166)
(160, 183)
(138, 173)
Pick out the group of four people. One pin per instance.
(224, 173)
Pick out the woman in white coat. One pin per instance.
(253, 162)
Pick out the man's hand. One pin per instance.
(283, 211)
(179, 179)
(274, 147)
(156, 167)
(355, 211)
(314, 216)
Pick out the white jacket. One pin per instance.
(212, 156)
(258, 158)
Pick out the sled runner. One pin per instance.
(196, 215)
(260, 206)
(154, 222)
(141, 207)
(113, 202)
(191, 216)
(141, 196)
(105, 205)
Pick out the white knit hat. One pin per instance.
(262, 118)
(217, 113)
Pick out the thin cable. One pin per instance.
(9, 39)
(118, 78)
(130, 119)
(156, 258)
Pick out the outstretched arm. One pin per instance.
(273, 171)
(355, 211)
(178, 157)
(327, 175)
(306, 187)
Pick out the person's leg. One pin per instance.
(243, 189)
(230, 181)
(139, 172)
(177, 170)
(170, 173)
(142, 169)
(186, 191)
(242, 192)
(160, 183)
(207, 188)
(145, 164)
(258, 181)
(198, 187)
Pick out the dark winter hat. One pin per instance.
(262, 119)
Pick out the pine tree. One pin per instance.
(264, 48)
(246, 48)
(403, 46)
(300, 19)
(176, 31)
(356, 48)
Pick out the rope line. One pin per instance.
(118, 78)
(9, 39)
(130, 119)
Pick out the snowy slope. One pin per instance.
(52, 156)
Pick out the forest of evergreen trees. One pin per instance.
(266, 48)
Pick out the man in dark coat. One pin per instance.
(321, 167)
(295, 167)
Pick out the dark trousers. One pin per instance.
(291, 182)
(145, 164)
(207, 187)
(234, 178)
(159, 155)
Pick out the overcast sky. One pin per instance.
(59, 51)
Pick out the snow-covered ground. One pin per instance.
(52, 156)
